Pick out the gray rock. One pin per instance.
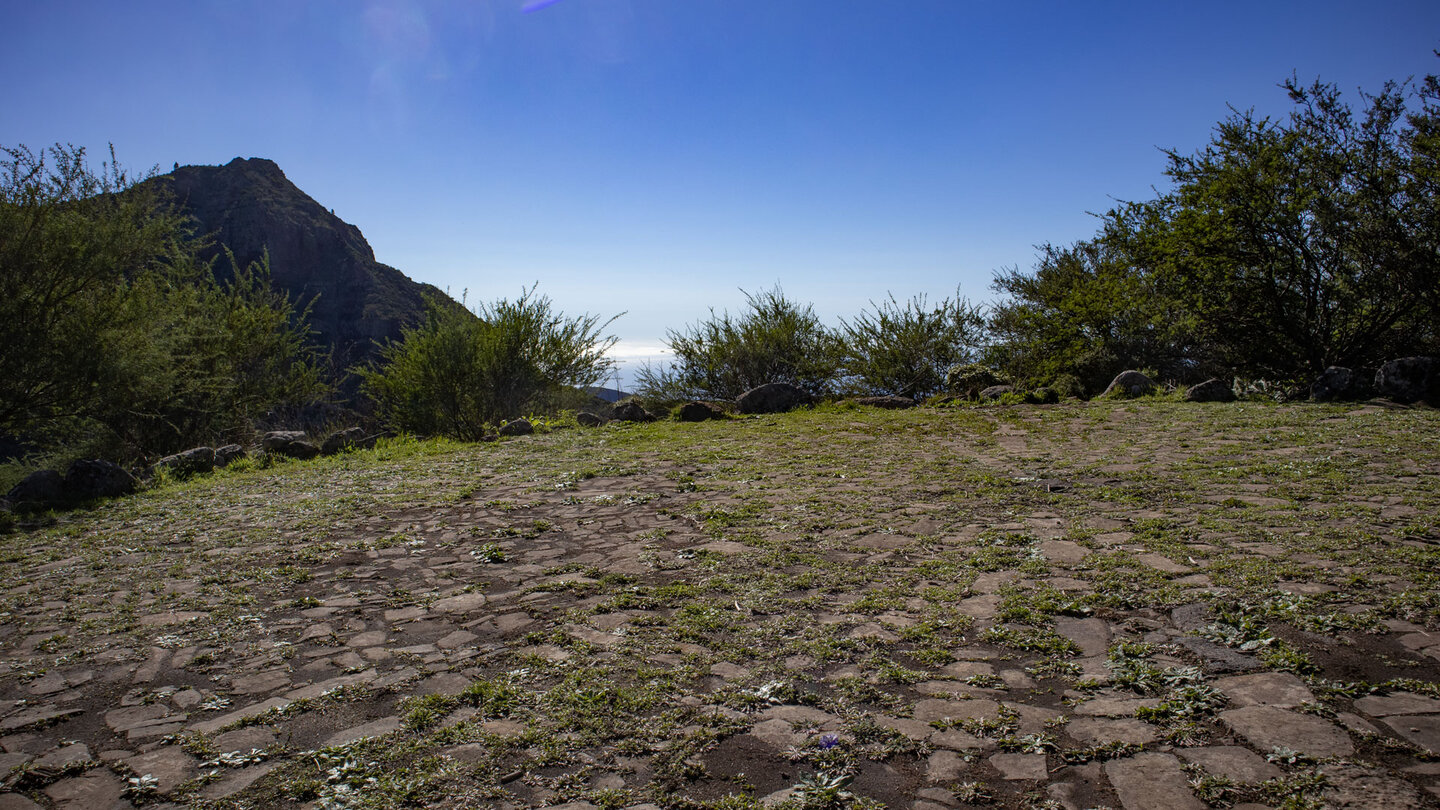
(228, 453)
(994, 392)
(1218, 657)
(1151, 781)
(1266, 689)
(699, 412)
(350, 438)
(87, 480)
(1268, 727)
(41, 489)
(970, 379)
(290, 443)
(630, 411)
(1355, 787)
(773, 398)
(1231, 762)
(195, 461)
(1130, 384)
(1337, 384)
(1410, 379)
(588, 419)
(1212, 390)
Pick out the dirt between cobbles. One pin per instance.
(1136, 605)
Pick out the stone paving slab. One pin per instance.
(338, 627)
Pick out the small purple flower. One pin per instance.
(829, 741)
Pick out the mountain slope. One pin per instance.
(320, 260)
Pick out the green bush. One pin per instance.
(460, 373)
(119, 341)
(907, 349)
(777, 340)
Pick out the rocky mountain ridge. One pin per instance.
(250, 206)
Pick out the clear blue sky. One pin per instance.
(656, 156)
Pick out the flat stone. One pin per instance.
(1092, 635)
(260, 682)
(446, 683)
(370, 638)
(1354, 787)
(914, 729)
(979, 607)
(943, 766)
(933, 709)
(1398, 703)
(169, 765)
(122, 720)
(1114, 706)
(729, 671)
(14, 801)
(1280, 689)
(1269, 727)
(1217, 657)
(237, 781)
(1101, 730)
(38, 716)
(1151, 781)
(957, 740)
(243, 740)
(1420, 729)
(803, 716)
(776, 733)
(375, 728)
(456, 639)
(1021, 766)
(1231, 762)
(215, 724)
(463, 603)
(1063, 552)
(97, 789)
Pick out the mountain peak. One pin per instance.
(321, 261)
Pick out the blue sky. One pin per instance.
(657, 156)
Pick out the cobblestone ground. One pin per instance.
(1105, 605)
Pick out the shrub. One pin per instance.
(460, 373)
(119, 341)
(777, 340)
(906, 349)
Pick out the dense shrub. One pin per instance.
(118, 340)
(1281, 248)
(460, 373)
(906, 349)
(776, 340)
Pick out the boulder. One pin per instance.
(1410, 379)
(891, 403)
(772, 398)
(588, 419)
(1338, 384)
(41, 489)
(351, 438)
(970, 379)
(699, 412)
(1042, 396)
(1212, 390)
(995, 392)
(228, 453)
(1130, 384)
(87, 480)
(517, 427)
(290, 443)
(195, 461)
(630, 411)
